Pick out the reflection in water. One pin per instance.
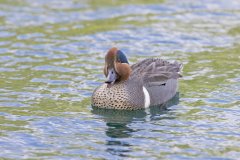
(117, 132)
(118, 124)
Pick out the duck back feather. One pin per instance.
(159, 77)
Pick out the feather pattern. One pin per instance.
(155, 71)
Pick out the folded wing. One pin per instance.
(155, 71)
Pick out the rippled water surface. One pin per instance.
(51, 59)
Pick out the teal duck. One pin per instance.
(149, 82)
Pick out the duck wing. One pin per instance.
(155, 71)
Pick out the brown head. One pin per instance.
(116, 67)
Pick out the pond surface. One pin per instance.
(52, 56)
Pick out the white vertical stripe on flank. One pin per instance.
(146, 98)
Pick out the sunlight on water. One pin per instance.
(51, 60)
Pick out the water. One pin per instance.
(51, 59)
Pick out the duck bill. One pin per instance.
(111, 77)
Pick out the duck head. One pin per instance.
(116, 67)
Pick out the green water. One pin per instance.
(52, 56)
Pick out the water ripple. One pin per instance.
(52, 58)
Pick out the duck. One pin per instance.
(149, 82)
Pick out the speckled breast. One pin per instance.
(117, 96)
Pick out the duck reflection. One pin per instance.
(119, 122)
